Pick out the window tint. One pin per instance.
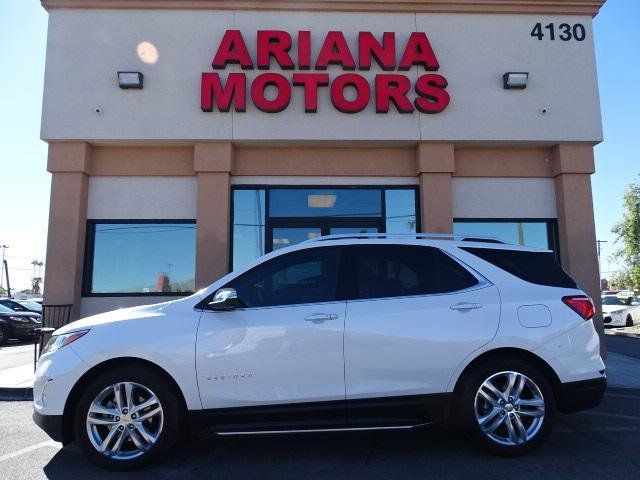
(379, 271)
(307, 276)
(451, 275)
(536, 267)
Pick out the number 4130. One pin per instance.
(564, 31)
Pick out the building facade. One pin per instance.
(262, 124)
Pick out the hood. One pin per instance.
(612, 308)
(21, 314)
(120, 315)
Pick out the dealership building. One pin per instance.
(188, 137)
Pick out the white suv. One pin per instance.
(337, 333)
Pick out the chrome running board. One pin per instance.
(320, 430)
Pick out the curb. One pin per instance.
(16, 394)
(622, 334)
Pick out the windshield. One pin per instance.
(31, 305)
(4, 309)
(613, 301)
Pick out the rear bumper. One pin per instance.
(582, 395)
(51, 424)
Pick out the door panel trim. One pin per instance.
(363, 413)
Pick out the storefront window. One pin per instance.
(140, 257)
(248, 226)
(294, 215)
(400, 211)
(530, 233)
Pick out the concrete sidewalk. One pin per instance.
(16, 371)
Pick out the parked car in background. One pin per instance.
(336, 333)
(17, 325)
(620, 310)
(21, 305)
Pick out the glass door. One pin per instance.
(284, 232)
(286, 236)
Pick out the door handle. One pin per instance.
(462, 306)
(321, 317)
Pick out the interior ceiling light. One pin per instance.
(321, 201)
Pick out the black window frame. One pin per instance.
(379, 222)
(89, 251)
(552, 228)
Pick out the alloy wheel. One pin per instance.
(124, 421)
(509, 408)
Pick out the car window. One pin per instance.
(382, 271)
(307, 276)
(31, 305)
(540, 268)
(4, 309)
(613, 301)
(15, 306)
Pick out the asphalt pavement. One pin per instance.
(596, 444)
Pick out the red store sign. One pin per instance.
(427, 95)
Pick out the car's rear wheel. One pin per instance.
(128, 418)
(507, 406)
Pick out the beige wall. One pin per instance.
(473, 50)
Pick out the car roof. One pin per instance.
(431, 239)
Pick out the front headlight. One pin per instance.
(20, 319)
(58, 341)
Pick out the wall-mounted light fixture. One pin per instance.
(130, 80)
(515, 80)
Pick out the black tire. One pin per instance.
(4, 335)
(629, 322)
(172, 410)
(466, 407)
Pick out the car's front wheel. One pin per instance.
(507, 406)
(128, 418)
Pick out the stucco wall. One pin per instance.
(142, 198)
(87, 47)
(503, 198)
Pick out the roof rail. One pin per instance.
(432, 236)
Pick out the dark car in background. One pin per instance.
(21, 305)
(18, 325)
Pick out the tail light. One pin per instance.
(581, 304)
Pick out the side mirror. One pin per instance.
(224, 300)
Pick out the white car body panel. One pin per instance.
(411, 345)
(270, 355)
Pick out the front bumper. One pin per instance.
(614, 319)
(582, 395)
(51, 424)
(22, 330)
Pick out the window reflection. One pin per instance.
(400, 206)
(266, 219)
(143, 257)
(248, 226)
(527, 233)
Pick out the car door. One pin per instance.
(413, 315)
(283, 348)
